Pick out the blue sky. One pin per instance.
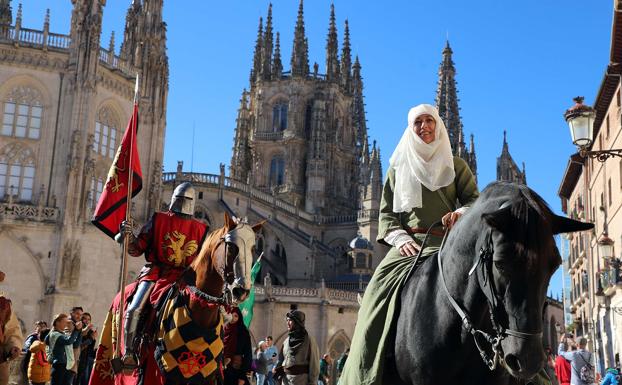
(519, 64)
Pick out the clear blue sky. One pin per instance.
(518, 66)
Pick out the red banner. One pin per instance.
(112, 204)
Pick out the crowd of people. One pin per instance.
(297, 362)
(60, 353)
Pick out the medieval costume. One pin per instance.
(424, 183)
(237, 351)
(299, 359)
(11, 338)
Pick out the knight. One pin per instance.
(170, 241)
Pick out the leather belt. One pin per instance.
(297, 369)
(423, 230)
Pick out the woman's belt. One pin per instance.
(297, 369)
(423, 230)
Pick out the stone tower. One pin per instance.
(447, 104)
(301, 135)
(507, 170)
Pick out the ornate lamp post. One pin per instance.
(580, 119)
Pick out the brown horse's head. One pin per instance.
(227, 254)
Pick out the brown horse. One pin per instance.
(184, 346)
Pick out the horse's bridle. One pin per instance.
(484, 260)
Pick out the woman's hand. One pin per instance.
(409, 249)
(449, 219)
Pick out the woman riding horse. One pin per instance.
(423, 185)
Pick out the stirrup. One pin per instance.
(129, 363)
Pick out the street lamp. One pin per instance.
(580, 119)
(605, 246)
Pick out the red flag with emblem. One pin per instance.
(112, 204)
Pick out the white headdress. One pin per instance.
(417, 163)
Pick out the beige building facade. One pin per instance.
(592, 191)
(65, 101)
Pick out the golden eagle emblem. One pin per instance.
(177, 250)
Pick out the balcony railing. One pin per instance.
(22, 211)
(278, 135)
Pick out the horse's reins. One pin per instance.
(500, 333)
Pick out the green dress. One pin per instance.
(365, 362)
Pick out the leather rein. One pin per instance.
(484, 260)
(226, 298)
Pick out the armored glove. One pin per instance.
(125, 230)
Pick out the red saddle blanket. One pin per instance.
(102, 370)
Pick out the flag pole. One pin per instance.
(128, 214)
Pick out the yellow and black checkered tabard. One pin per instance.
(185, 352)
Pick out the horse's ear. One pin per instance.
(257, 226)
(229, 222)
(500, 220)
(566, 225)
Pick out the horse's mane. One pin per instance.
(209, 246)
(529, 214)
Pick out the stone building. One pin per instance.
(65, 101)
(591, 190)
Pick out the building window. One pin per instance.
(17, 172)
(22, 112)
(105, 135)
(607, 125)
(277, 171)
(361, 260)
(104, 140)
(618, 98)
(279, 117)
(95, 191)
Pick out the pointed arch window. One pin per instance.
(22, 111)
(279, 117)
(17, 172)
(105, 135)
(95, 191)
(277, 171)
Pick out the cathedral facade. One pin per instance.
(65, 101)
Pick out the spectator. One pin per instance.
(87, 350)
(299, 357)
(76, 316)
(271, 354)
(325, 363)
(261, 363)
(60, 348)
(341, 362)
(579, 359)
(11, 338)
(237, 350)
(32, 337)
(562, 366)
(38, 366)
(612, 377)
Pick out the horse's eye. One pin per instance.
(500, 266)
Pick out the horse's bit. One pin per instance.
(500, 333)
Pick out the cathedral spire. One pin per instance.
(346, 59)
(300, 56)
(277, 65)
(256, 70)
(332, 60)
(448, 109)
(266, 57)
(6, 14)
(130, 34)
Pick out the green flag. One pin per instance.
(246, 307)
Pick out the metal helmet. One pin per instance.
(182, 201)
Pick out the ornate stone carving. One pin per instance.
(70, 270)
(24, 95)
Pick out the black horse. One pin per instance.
(472, 314)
